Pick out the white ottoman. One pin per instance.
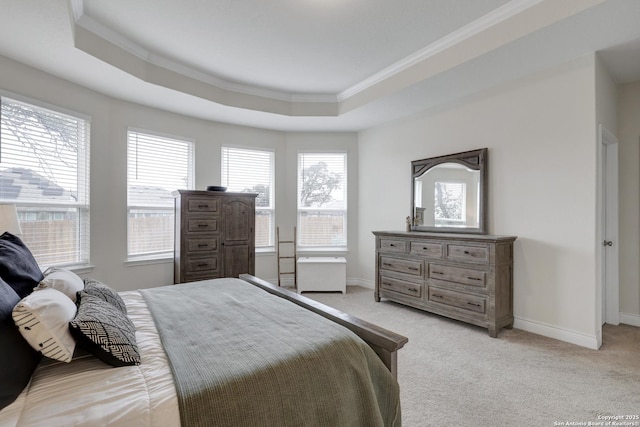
(322, 274)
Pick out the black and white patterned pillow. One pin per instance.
(105, 331)
(102, 291)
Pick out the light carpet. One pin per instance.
(454, 374)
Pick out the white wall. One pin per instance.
(629, 154)
(110, 119)
(541, 136)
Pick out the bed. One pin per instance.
(232, 351)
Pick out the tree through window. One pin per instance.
(322, 200)
(44, 171)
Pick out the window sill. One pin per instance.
(322, 250)
(81, 269)
(264, 252)
(136, 261)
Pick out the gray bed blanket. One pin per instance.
(243, 357)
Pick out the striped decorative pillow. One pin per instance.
(43, 320)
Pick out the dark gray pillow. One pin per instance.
(105, 331)
(102, 291)
(17, 359)
(18, 267)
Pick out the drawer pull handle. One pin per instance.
(473, 278)
(203, 206)
(437, 272)
(203, 245)
(413, 290)
(392, 245)
(202, 265)
(424, 249)
(437, 296)
(467, 252)
(387, 264)
(473, 304)
(203, 225)
(413, 268)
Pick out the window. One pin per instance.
(322, 200)
(252, 171)
(156, 167)
(450, 203)
(44, 171)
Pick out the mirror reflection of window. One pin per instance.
(449, 203)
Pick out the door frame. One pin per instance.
(609, 297)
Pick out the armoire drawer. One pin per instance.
(457, 299)
(401, 286)
(202, 264)
(202, 245)
(202, 205)
(202, 225)
(407, 266)
(466, 276)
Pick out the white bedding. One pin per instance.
(88, 392)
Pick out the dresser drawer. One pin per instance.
(201, 264)
(195, 204)
(392, 245)
(407, 266)
(202, 225)
(201, 275)
(430, 250)
(457, 299)
(401, 286)
(466, 276)
(468, 253)
(202, 245)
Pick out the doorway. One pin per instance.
(610, 241)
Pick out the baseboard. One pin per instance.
(288, 282)
(370, 284)
(630, 319)
(589, 341)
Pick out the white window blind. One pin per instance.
(156, 167)
(252, 171)
(44, 171)
(322, 200)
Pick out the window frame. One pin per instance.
(82, 206)
(301, 246)
(190, 142)
(271, 210)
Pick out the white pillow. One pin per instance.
(63, 280)
(43, 320)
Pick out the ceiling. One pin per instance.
(312, 65)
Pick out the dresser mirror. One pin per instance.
(449, 193)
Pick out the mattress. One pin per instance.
(88, 392)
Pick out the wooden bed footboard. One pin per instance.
(384, 342)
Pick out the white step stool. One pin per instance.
(322, 274)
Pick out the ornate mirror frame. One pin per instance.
(475, 160)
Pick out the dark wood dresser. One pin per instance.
(466, 277)
(214, 235)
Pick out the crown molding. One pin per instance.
(481, 24)
(109, 35)
(287, 103)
